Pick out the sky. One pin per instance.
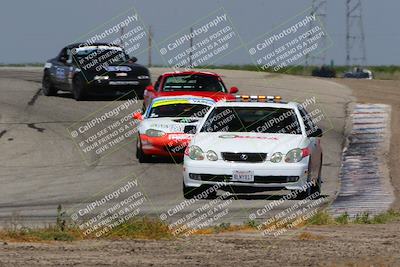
(34, 31)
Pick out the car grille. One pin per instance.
(244, 157)
(257, 179)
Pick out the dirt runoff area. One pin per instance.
(351, 245)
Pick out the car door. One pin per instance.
(62, 69)
(315, 145)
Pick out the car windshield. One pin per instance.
(252, 119)
(112, 54)
(179, 110)
(202, 83)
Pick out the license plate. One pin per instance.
(243, 176)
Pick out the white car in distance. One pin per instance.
(254, 143)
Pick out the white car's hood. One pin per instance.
(248, 142)
(167, 125)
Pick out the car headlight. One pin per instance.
(276, 157)
(143, 77)
(296, 155)
(211, 155)
(154, 133)
(196, 153)
(97, 77)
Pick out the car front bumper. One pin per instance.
(167, 145)
(291, 176)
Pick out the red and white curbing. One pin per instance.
(365, 183)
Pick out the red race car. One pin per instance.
(195, 83)
(168, 125)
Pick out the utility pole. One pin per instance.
(121, 33)
(355, 39)
(191, 46)
(150, 40)
(319, 9)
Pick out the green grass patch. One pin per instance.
(343, 219)
(149, 228)
(324, 218)
(21, 64)
(143, 228)
(50, 233)
(321, 218)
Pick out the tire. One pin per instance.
(304, 194)
(140, 155)
(143, 108)
(140, 93)
(308, 192)
(78, 89)
(317, 187)
(47, 87)
(191, 192)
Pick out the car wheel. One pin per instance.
(317, 187)
(140, 155)
(143, 108)
(189, 192)
(78, 89)
(140, 93)
(308, 191)
(47, 87)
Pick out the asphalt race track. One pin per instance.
(40, 167)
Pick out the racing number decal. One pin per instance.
(60, 73)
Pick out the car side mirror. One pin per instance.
(233, 90)
(190, 129)
(133, 59)
(137, 116)
(150, 88)
(316, 133)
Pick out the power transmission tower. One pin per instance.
(319, 9)
(355, 38)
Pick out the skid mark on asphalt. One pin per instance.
(33, 126)
(364, 175)
(34, 97)
(2, 133)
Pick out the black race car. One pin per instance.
(98, 68)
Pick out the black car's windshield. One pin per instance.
(100, 54)
(179, 110)
(194, 82)
(252, 119)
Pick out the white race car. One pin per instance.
(254, 143)
(168, 124)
